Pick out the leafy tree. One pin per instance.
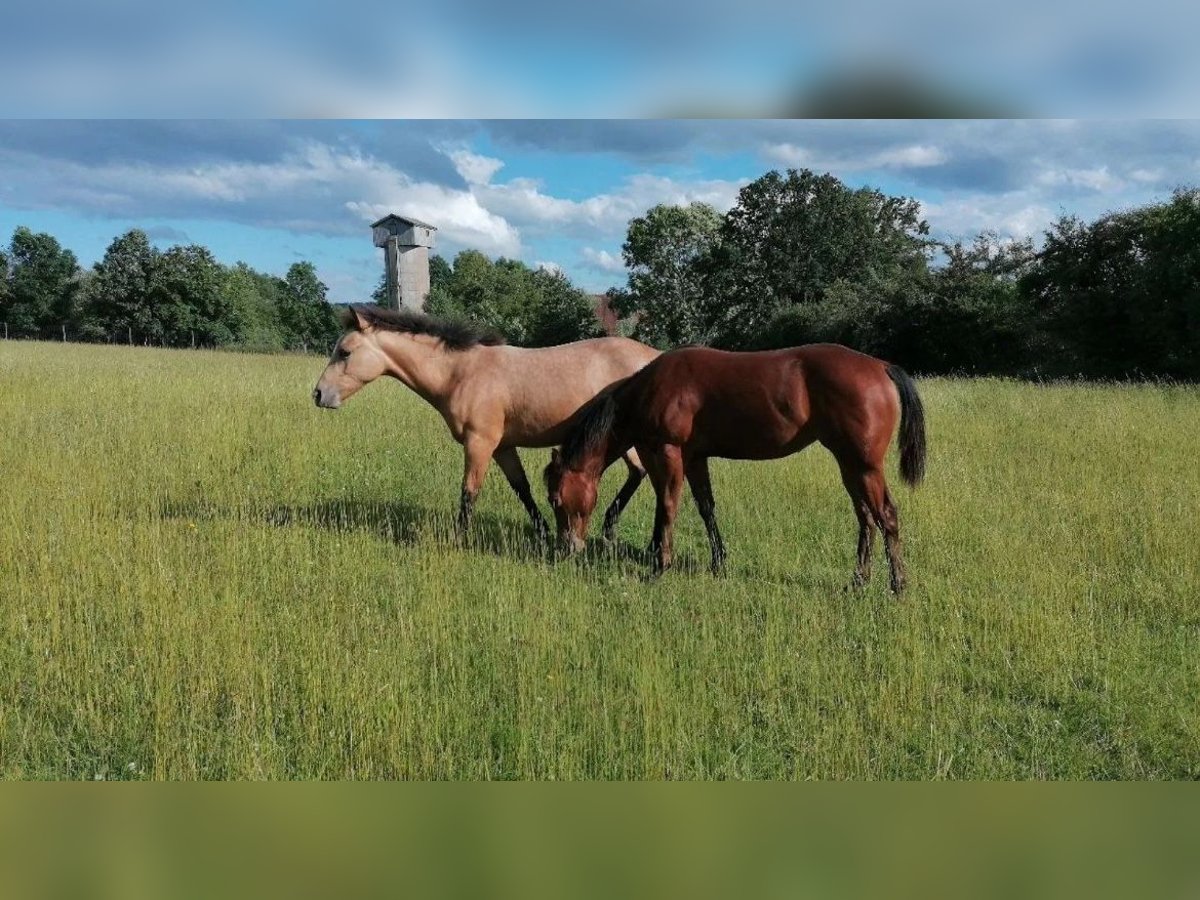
(4, 292)
(1120, 297)
(440, 271)
(664, 250)
(972, 317)
(121, 292)
(191, 302)
(559, 312)
(309, 322)
(789, 239)
(532, 307)
(253, 298)
(42, 284)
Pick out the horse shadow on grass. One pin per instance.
(398, 522)
(406, 524)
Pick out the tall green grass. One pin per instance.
(203, 576)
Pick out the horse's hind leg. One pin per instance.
(883, 511)
(852, 478)
(665, 468)
(636, 473)
(698, 478)
(510, 464)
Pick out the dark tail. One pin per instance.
(912, 427)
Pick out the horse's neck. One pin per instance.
(605, 452)
(422, 364)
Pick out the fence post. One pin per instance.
(6, 331)
(129, 330)
(64, 328)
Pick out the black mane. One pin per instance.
(456, 335)
(593, 426)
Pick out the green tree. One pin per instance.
(789, 239)
(664, 251)
(1120, 296)
(531, 307)
(971, 317)
(42, 285)
(309, 322)
(121, 292)
(254, 300)
(188, 300)
(558, 312)
(4, 292)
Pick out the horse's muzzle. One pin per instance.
(325, 400)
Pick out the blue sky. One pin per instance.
(545, 58)
(553, 192)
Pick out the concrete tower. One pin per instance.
(406, 243)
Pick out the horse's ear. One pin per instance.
(555, 457)
(355, 318)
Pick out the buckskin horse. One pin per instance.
(695, 403)
(494, 398)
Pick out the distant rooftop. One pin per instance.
(405, 219)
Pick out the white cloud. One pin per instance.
(1098, 178)
(474, 169)
(552, 267)
(602, 260)
(523, 201)
(914, 156)
(903, 156)
(788, 154)
(310, 189)
(1011, 216)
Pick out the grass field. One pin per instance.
(203, 576)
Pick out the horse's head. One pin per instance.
(573, 499)
(357, 359)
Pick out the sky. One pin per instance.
(548, 59)
(557, 193)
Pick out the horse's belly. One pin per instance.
(758, 450)
(533, 431)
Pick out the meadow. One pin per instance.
(204, 576)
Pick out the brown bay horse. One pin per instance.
(494, 398)
(695, 403)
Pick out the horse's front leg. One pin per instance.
(628, 489)
(477, 455)
(510, 464)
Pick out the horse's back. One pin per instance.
(544, 387)
(760, 404)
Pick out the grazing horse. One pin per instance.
(494, 398)
(694, 403)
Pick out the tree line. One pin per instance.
(802, 258)
(183, 297)
(799, 258)
(180, 297)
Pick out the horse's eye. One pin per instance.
(343, 354)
